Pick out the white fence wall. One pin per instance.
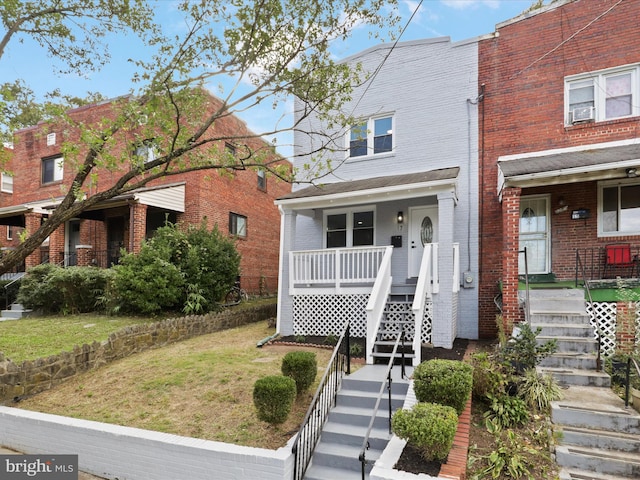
(125, 453)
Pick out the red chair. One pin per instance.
(618, 256)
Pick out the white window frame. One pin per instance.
(9, 232)
(349, 212)
(58, 170)
(262, 179)
(237, 228)
(599, 82)
(609, 184)
(147, 151)
(369, 124)
(6, 183)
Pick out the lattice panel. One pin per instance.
(322, 315)
(638, 324)
(396, 313)
(603, 316)
(427, 322)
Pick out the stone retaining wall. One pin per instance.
(35, 376)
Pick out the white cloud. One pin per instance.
(471, 4)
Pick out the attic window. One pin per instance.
(51, 139)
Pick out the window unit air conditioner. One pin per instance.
(582, 114)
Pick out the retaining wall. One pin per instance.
(31, 377)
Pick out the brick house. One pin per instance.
(560, 147)
(239, 202)
(389, 240)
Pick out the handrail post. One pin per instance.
(627, 381)
(389, 380)
(348, 339)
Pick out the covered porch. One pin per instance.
(379, 253)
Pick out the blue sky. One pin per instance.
(457, 19)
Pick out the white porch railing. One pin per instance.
(377, 301)
(335, 267)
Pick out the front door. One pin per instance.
(73, 239)
(534, 234)
(423, 229)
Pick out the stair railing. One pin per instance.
(527, 305)
(387, 384)
(323, 400)
(377, 300)
(580, 270)
(627, 385)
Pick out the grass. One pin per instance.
(184, 388)
(31, 338)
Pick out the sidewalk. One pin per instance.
(81, 475)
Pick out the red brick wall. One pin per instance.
(522, 72)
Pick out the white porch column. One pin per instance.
(285, 302)
(444, 310)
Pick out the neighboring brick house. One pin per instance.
(239, 202)
(392, 235)
(560, 146)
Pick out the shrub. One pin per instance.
(53, 289)
(507, 411)
(429, 427)
(522, 351)
(447, 382)
(302, 367)
(538, 390)
(488, 376)
(273, 398)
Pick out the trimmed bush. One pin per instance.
(273, 398)
(488, 376)
(429, 427)
(447, 382)
(302, 367)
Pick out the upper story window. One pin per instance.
(6, 183)
(619, 208)
(51, 139)
(605, 95)
(147, 151)
(262, 179)
(52, 169)
(371, 136)
(351, 228)
(237, 225)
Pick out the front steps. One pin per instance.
(600, 438)
(15, 312)
(397, 317)
(337, 454)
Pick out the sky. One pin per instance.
(457, 19)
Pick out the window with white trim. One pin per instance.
(604, 95)
(349, 228)
(237, 225)
(371, 136)
(6, 183)
(619, 208)
(262, 179)
(52, 169)
(146, 151)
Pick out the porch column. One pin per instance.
(444, 328)
(56, 246)
(32, 223)
(137, 226)
(284, 324)
(510, 245)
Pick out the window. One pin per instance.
(230, 149)
(9, 232)
(6, 183)
(604, 95)
(52, 169)
(371, 137)
(51, 139)
(237, 225)
(262, 179)
(146, 151)
(352, 228)
(619, 209)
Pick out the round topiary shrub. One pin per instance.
(447, 382)
(428, 427)
(273, 397)
(302, 367)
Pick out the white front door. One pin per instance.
(534, 234)
(423, 229)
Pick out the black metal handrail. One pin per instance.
(627, 385)
(581, 270)
(387, 383)
(527, 311)
(323, 400)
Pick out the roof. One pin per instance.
(583, 163)
(391, 187)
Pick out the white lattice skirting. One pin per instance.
(603, 316)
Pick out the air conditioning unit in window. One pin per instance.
(582, 114)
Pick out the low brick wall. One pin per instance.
(35, 376)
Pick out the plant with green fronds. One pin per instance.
(538, 390)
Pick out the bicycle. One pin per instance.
(235, 296)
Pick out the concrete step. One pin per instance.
(322, 472)
(576, 474)
(571, 344)
(556, 318)
(338, 433)
(623, 464)
(584, 330)
(358, 416)
(359, 398)
(575, 360)
(569, 376)
(587, 437)
(399, 385)
(344, 457)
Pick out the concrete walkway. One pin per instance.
(81, 475)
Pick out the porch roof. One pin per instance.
(567, 165)
(391, 187)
